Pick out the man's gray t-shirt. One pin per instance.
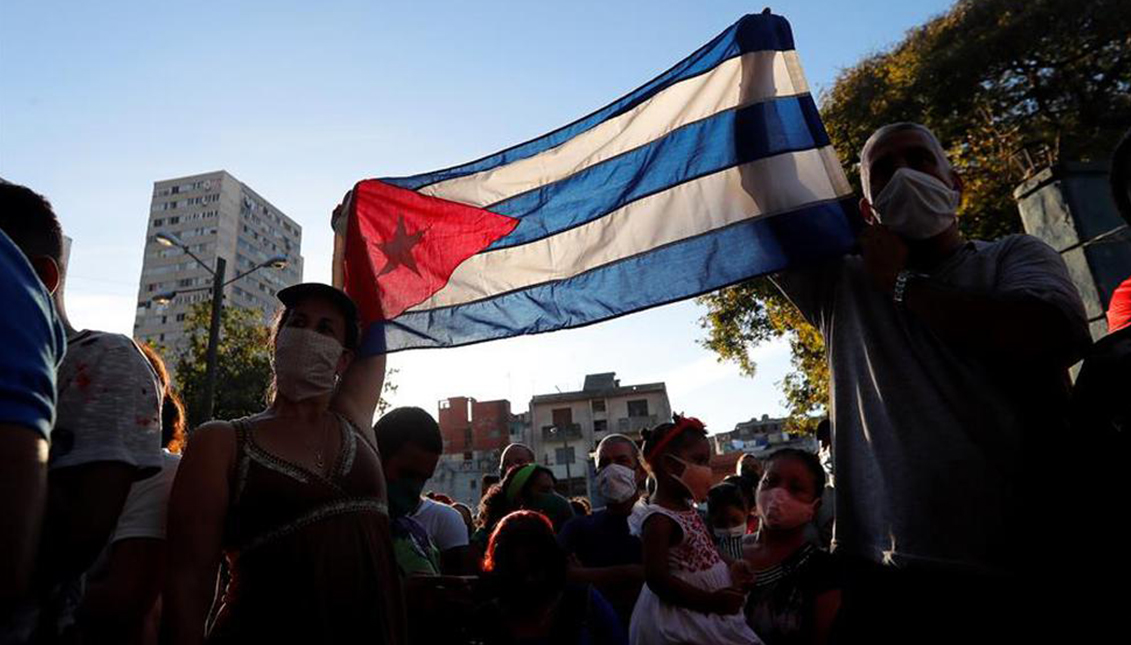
(932, 441)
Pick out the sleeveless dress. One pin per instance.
(695, 561)
(309, 556)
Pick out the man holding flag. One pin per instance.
(948, 364)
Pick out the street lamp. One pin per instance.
(218, 284)
(565, 453)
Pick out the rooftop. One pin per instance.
(603, 385)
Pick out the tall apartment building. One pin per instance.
(213, 214)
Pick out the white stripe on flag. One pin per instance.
(742, 80)
(767, 186)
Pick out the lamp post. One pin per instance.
(218, 284)
(565, 453)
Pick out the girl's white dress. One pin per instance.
(695, 561)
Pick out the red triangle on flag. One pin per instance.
(402, 246)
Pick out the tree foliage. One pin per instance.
(1007, 86)
(243, 363)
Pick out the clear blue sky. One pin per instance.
(301, 99)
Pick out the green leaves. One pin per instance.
(243, 365)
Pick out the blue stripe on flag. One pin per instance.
(711, 145)
(673, 272)
(755, 32)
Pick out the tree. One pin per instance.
(1007, 86)
(243, 365)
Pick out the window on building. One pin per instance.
(180, 317)
(601, 425)
(598, 405)
(563, 417)
(174, 220)
(164, 320)
(467, 436)
(467, 456)
(638, 408)
(473, 484)
(445, 404)
(158, 222)
(564, 455)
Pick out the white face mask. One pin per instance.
(616, 483)
(916, 205)
(306, 363)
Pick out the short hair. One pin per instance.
(528, 529)
(407, 425)
(725, 494)
(808, 459)
(619, 438)
(748, 486)
(28, 219)
(883, 133)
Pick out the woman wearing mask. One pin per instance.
(796, 593)
(292, 497)
(529, 487)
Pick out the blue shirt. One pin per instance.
(601, 539)
(34, 344)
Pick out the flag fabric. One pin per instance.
(716, 171)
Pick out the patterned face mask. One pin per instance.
(616, 483)
(306, 363)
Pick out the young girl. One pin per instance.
(690, 595)
(796, 593)
(727, 511)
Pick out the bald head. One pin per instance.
(617, 449)
(898, 145)
(516, 454)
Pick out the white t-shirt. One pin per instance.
(443, 524)
(147, 505)
(109, 405)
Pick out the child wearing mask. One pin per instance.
(726, 513)
(796, 592)
(691, 595)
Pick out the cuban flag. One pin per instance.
(715, 171)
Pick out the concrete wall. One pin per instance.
(1070, 207)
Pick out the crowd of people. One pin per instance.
(307, 522)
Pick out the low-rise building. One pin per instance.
(565, 427)
(474, 433)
